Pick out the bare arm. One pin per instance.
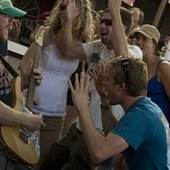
(99, 146)
(120, 45)
(108, 119)
(8, 116)
(163, 74)
(68, 42)
(69, 47)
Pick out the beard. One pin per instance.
(106, 42)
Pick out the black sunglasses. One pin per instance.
(125, 63)
(107, 22)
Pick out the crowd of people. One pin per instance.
(120, 110)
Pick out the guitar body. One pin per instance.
(10, 135)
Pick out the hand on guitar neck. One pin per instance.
(37, 74)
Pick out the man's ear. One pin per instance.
(123, 85)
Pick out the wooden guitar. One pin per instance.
(18, 140)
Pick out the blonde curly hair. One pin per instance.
(84, 26)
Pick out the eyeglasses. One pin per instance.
(107, 22)
(125, 63)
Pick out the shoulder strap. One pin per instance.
(9, 67)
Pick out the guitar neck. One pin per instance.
(31, 88)
(32, 22)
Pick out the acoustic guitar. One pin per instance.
(22, 143)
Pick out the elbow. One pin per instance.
(97, 157)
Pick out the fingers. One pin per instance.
(29, 68)
(16, 24)
(37, 76)
(84, 81)
(81, 84)
(71, 86)
(101, 70)
(36, 100)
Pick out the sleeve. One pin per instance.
(90, 48)
(133, 127)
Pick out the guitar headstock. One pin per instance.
(37, 35)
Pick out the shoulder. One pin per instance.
(93, 47)
(96, 43)
(164, 66)
(163, 70)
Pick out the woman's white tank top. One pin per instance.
(53, 90)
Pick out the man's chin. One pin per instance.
(104, 41)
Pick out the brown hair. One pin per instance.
(141, 17)
(136, 72)
(126, 18)
(84, 25)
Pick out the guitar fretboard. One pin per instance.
(31, 89)
(29, 22)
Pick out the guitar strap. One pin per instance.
(9, 67)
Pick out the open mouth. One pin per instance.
(103, 34)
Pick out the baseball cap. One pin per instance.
(147, 30)
(7, 8)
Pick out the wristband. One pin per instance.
(105, 107)
(66, 30)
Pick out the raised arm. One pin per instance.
(69, 40)
(108, 118)
(120, 45)
(100, 147)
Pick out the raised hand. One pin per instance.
(15, 28)
(69, 11)
(80, 93)
(99, 77)
(114, 6)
